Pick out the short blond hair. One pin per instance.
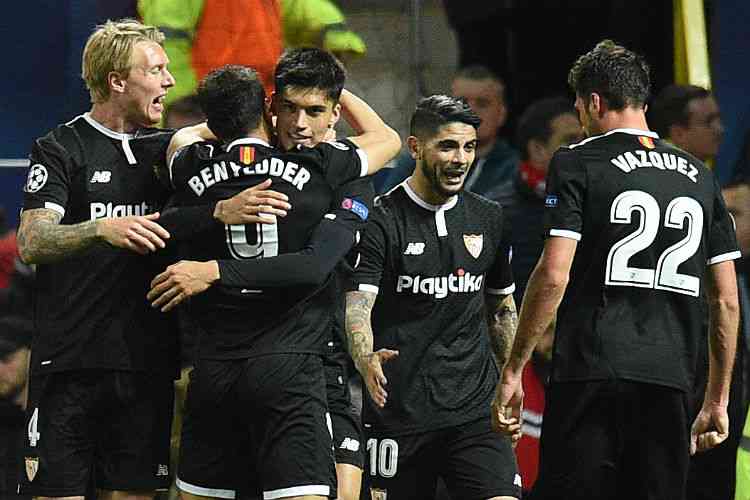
(110, 48)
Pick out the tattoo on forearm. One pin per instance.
(502, 324)
(42, 239)
(358, 327)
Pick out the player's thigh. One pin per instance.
(215, 456)
(59, 446)
(347, 434)
(656, 428)
(291, 428)
(579, 449)
(402, 467)
(133, 432)
(478, 463)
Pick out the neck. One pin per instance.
(111, 116)
(421, 186)
(261, 132)
(624, 118)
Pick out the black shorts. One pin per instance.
(257, 425)
(474, 462)
(347, 431)
(97, 429)
(613, 439)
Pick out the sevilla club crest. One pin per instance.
(473, 244)
(32, 466)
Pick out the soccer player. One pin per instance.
(100, 395)
(636, 231)
(306, 113)
(281, 324)
(433, 296)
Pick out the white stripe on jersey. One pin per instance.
(442, 229)
(54, 206)
(565, 233)
(365, 166)
(631, 131)
(368, 288)
(501, 291)
(298, 491)
(204, 492)
(724, 257)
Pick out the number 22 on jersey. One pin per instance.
(682, 213)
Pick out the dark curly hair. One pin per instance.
(617, 74)
(233, 99)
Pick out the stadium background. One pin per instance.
(413, 47)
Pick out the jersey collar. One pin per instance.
(630, 131)
(419, 201)
(247, 140)
(104, 130)
(123, 138)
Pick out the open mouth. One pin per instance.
(159, 101)
(454, 176)
(299, 139)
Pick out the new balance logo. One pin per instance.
(101, 176)
(162, 470)
(414, 249)
(350, 444)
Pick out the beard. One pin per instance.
(430, 172)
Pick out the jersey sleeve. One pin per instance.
(500, 277)
(722, 241)
(48, 179)
(563, 204)
(371, 259)
(332, 238)
(343, 161)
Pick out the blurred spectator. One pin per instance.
(8, 250)
(15, 339)
(546, 125)
(205, 34)
(496, 160)
(712, 474)
(688, 116)
(319, 23)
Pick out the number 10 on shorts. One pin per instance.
(383, 457)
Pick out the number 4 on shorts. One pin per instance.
(33, 432)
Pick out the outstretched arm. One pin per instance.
(360, 342)
(502, 321)
(543, 295)
(42, 239)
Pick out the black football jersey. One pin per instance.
(242, 322)
(431, 267)
(649, 218)
(91, 309)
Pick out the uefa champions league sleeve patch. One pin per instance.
(37, 178)
(357, 207)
